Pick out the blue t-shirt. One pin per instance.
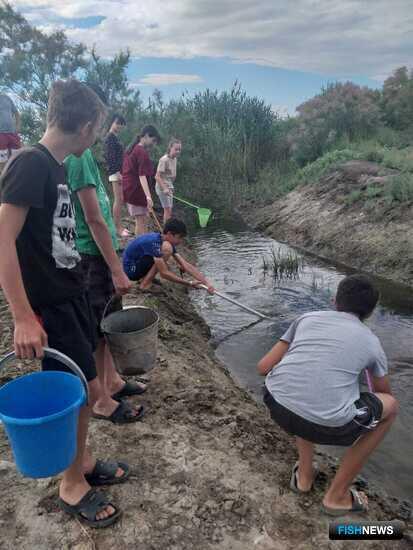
(149, 244)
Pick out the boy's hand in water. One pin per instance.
(121, 283)
(29, 338)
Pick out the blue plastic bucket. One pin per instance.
(40, 413)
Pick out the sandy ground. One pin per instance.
(210, 470)
(372, 236)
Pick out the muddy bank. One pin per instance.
(210, 469)
(371, 235)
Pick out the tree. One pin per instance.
(111, 76)
(397, 99)
(341, 110)
(31, 60)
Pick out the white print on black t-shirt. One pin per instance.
(64, 231)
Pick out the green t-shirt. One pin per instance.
(83, 172)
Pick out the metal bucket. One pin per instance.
(132, 337)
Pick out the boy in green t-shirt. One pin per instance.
(104, 277)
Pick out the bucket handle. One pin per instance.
(58, 356)
(107, 306)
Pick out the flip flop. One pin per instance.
(104, 473)
(358, 506)
(123, 414)
(294, 482)
(130, 388)
(88, 507)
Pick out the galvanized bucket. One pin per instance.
(132, 337)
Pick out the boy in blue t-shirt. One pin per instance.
(149, 254)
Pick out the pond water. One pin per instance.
(231, 255)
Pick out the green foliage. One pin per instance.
(354, 197)
(401, 188)
(283, 265)
(31, 59)
(234, 146)
(312, 172)
(339, 111)
(397, 99)
(372, 192)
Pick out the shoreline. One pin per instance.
(318, 219)
(210, 468)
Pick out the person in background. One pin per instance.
(40, 278)
(137, 169)
(312, 391)
(9, 128)
(113, 153)
(165, 177)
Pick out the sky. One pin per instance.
(281, 50)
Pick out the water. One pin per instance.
(231, 255)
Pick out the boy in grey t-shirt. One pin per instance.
(312, 390)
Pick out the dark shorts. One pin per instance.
(98, 281)
(370, 411)
(139, 269)
(70, 328)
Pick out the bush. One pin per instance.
(353, 197)
(373, 192)
(397, 99)
(312, 172)
(340, 111)
(375, 156)
(401, 188)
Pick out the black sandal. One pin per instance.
(130, 388)
(104, 473)
(123, 414)
(358, 506)
(89, 507)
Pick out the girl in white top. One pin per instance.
(165, 177)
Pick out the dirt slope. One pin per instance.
(373, 236)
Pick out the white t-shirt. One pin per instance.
(167, 170)
(318, 378)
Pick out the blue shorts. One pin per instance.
(138, 270)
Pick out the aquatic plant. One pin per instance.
(282, 264)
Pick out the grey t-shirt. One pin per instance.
(318, 376)
(7, 115)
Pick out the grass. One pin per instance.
(282, 264)
(401, 188)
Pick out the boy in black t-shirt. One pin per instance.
(39, 276)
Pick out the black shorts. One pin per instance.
(70, 328)
(139, 269)
(98, 281)
(370, 407)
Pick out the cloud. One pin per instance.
(168, 79)
(338, 37)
